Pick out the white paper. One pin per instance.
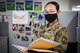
(20, 17)
(21, 48)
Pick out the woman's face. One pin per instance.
(50, 9)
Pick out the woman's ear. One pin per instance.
(58, 12)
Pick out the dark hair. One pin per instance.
(54, 3)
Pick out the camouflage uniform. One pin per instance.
(56, 32)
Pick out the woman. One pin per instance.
(54, 30)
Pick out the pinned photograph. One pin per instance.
(16, 36)
(24, 38)
(28, 33)
(15, 27)
(10, 5)
(21, 28)
(37, 6)
(19, 5)
(28, 28)
(31, 23)
(32, 14)
(32, 18)
(35, 32)
(28, 5)
(2, 6)
(36, 25)
(41, 17)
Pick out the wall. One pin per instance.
(73, 3)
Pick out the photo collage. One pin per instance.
(24, 31)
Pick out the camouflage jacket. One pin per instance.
(56, 32)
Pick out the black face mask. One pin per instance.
(51, 17)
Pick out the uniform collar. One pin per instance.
(51, 25)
